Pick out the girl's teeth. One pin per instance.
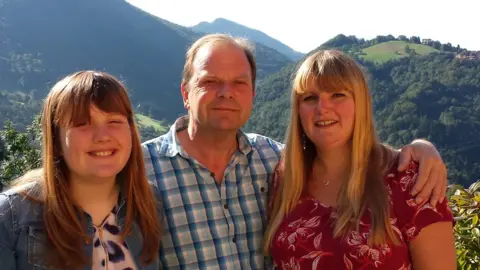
(102, 154)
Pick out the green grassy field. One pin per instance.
(386, 51)
(146, 121)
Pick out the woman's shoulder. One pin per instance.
(402, 179)
(411, 217)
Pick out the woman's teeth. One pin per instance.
(325, 123)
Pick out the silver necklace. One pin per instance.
(324, 182)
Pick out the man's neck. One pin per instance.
(212, 149)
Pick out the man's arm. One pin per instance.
(432, 177)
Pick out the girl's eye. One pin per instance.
(310, 98)
(209, 82)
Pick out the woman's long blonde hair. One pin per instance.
(333, 70)
(69, 103)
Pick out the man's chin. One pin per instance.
(227, 124)
(227, 127)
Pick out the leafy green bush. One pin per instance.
(20, 151)
(465, 205)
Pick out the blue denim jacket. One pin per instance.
(23, 235)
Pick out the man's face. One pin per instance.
(220, 93)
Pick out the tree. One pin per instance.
(20, 151)
(465, 205)
(402, 38)
(446, 47)
(408, 50)
(415, 39)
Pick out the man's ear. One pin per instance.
(184, 90)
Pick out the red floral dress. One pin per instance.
(304, 240)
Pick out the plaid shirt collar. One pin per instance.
(174, 147)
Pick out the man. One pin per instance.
(214, 179)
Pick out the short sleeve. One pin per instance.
(412, 218)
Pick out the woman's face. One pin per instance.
(327, 117)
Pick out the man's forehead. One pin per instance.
(202, 56)
(223, 52)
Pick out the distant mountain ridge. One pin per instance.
(221, 25)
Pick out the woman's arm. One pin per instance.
(427, 229)
(434, 248)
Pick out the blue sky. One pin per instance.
(304, 25)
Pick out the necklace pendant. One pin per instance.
(325, 183)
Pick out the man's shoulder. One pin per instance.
(158, 146)
(261, 142)
(158, 140)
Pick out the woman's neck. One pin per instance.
(330, 170)
(335, 161)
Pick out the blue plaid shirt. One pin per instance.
(211, 226)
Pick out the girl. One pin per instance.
(90, 205)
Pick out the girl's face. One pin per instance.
(98, 149)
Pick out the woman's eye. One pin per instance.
(81, 124)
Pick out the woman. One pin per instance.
(90, 206)
(340, 203)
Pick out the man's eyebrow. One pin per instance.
(243, 76)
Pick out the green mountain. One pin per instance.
(425, 93)
(222, 25)
(41, 41)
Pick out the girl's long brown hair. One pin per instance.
(68, 103)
